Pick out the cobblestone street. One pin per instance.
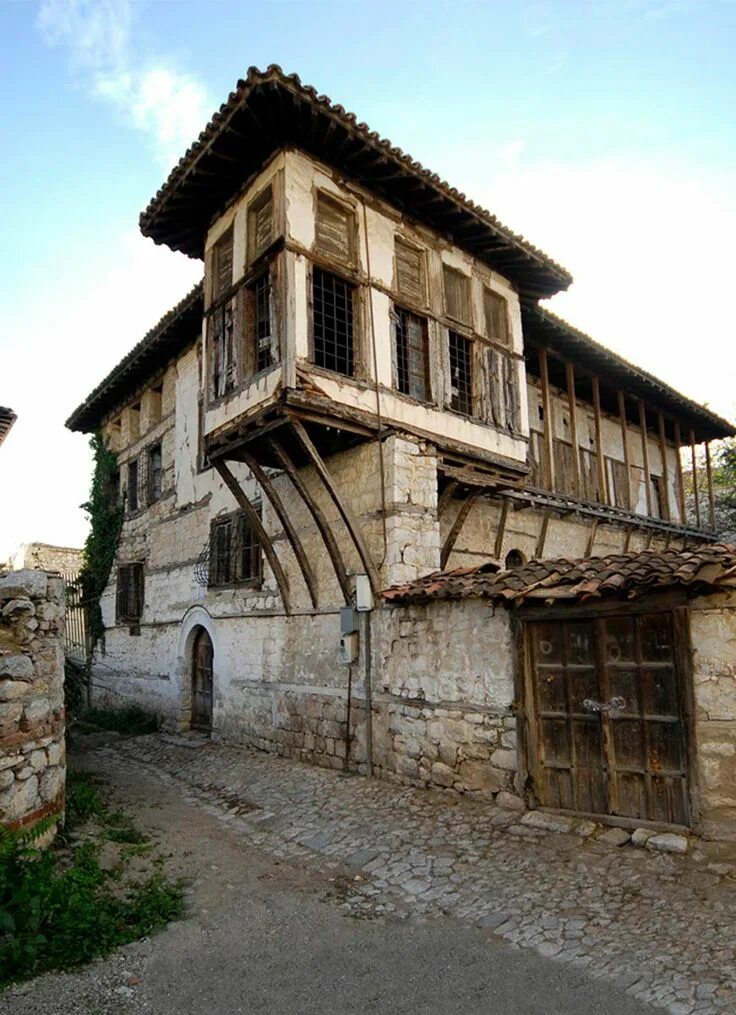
(660, 926)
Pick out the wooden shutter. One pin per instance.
(335, 229)
(222, 264)
(457, 294)
(261, 222)
(496, 311)
(410, 272)
(510, 395)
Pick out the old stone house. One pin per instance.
(365, 391)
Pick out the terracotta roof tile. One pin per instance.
(710, 567)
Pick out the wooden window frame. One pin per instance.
(351, 237)
(215, 292)
(253, 358)
(357, 348)
(133, 470)
(152, 495)
(264, 197)
(489, 296)
(467, 280)
(398, 314)
(406, 296)
(124, 596)
(241, 539)
(471, 413)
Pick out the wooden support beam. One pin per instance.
(500, 531)
(317, 514)
(340, 503)
(627, 540)
(680, 477)
(446, 496)
(267, 485)
(257, 525)
(572, 406)
(696, 490)
(645, 455)
(625, 442)
(591, 538)
(600, 459)
(457, 525)
(711, 495)
(549, 455)
(539, 550)
(665, 470)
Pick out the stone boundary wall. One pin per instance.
(32, 756)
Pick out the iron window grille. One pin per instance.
(461, 373)
(130, 592)
(262, 329)
(332, 319)
(155, 474)
(412, 354)
(132, 487)
(232, 555)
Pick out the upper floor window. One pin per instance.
(260, 223)
(496, 312)
(129, 599)
(332, 322)
(235, 553)
(335, 229)
(410, 272)
(134, 424)
(221, 265)
(155, 473)
(461, 373)
(261, 324)
(132, 486)
(222, 349)
(457, 294)
(412, 355)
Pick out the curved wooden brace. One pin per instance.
(269, 488)
(319, 519)
(446, 496)
(346, 514)
(456, 527)
(257, 525)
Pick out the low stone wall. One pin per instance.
(32, 759)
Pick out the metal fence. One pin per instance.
(76, 628)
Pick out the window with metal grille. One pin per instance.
(155, 473)
(461, 373)
(412, 359)
(496, 310)
(221, 265)
(335, 229)
(132, 488)
(260, 223)
(332, 321)
(457, 294)
(129, 598)
(410, 272)
(261, 317)
(234, 552)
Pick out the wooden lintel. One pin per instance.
(539, 550)
(498, 546)
(351, 523)
(269, 488)
(457, 525)
(257, 525)
(645, 456)
(680, 477)
(665, 470)
(625, 442)
(328, 536)
(591, 538)
(572, 406)
(711, 495)
(600, 459)
(446, 496)
(549, 457)
(696, 489)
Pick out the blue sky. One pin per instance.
(604, 131)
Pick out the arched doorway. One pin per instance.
(202, 658)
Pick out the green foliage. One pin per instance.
(106, 519)
(59, 908)
(83, 799)
(132, 720)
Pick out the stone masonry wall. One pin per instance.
(32, 760)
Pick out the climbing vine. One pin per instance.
(106, 519)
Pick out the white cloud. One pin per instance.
(168, 105)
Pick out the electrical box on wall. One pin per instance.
(349, 648)
(349, 622)
(363, 593)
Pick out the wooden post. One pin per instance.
(501, 529)
(539, 551)
(548, 428)
(625, 441)
(457, 525)
(680, 477)
(711, 496)
(665, 472)
(601, 462)
(572, 406)
(696, 492)
(645, 455)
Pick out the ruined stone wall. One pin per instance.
(32, 761)
(713, 635)
(44, 557)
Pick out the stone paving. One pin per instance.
(661, 926)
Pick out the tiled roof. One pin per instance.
(7, 418)
(270, 110)
(707, 568)
(177, 329)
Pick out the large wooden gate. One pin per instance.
(607, 715)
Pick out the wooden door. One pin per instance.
(202, 657)
(611, 736)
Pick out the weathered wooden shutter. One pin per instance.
(492, 413)
(410, 272)
(457, 294)
(496, 312)
(512, 409)
(222, 264)
(335, 229)
(261, 222)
